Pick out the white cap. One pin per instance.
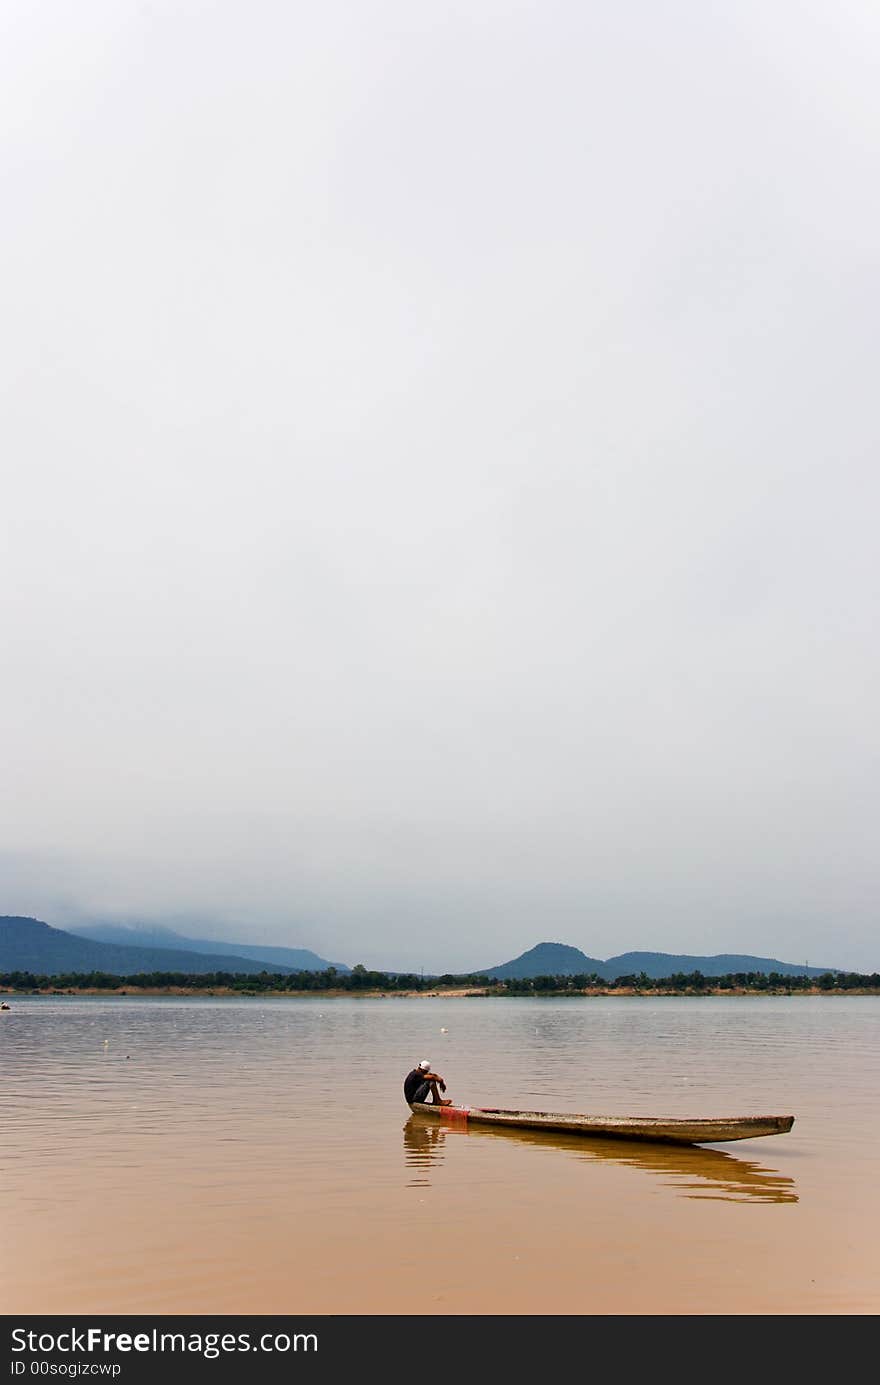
(424, 1065)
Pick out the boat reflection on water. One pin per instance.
(695, 1171)
(422, 1146)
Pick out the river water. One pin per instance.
(213, 1155)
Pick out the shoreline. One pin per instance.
(453, 993)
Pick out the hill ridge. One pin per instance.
(560, 959)
(132, 935)
(29, 944)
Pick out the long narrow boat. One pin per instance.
(666, 1129)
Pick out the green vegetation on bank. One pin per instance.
(360, 980)
(694, 982)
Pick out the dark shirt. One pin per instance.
(412, 1082)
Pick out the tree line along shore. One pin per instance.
(361, 981)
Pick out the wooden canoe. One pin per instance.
(666, 1130)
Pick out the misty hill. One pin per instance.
(558, 959)
(659, 964)
(30, 945)
(281, 959)
(547, 959)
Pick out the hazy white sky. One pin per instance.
(440, 488)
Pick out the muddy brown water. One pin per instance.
(200, 1155)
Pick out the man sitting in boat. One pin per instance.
(421, 1081)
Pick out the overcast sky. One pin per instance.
(440, 474)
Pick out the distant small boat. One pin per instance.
(665, 1130)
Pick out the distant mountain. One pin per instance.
(558, 959)
(658, 964)
(547, 959)
(27, 944)
(30, 945)
(273, 958)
